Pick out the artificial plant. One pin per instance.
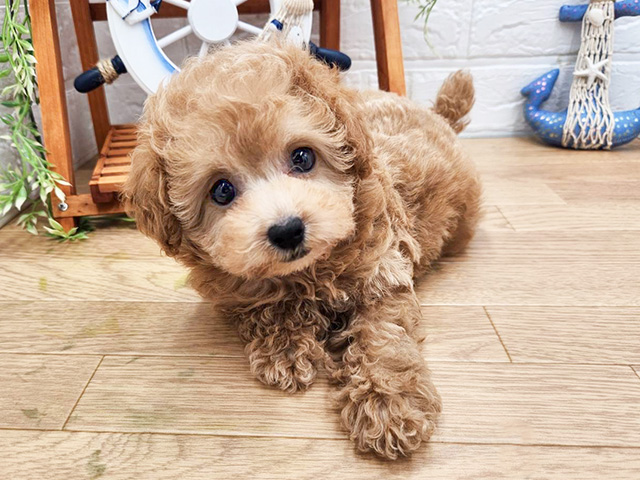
(425, 7)
(31, 179)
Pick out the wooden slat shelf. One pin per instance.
(114, 164)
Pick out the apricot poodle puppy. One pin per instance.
(305, 211)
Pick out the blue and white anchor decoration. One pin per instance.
(213, 22)
(588, 123)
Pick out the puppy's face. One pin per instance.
(254, 170)
(263, 195)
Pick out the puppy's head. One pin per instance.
(248, 160)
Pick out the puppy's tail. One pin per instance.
(455, 99)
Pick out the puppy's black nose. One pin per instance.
(287, 235)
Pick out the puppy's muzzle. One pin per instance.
(288, 236)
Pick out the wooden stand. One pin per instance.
(115, 142)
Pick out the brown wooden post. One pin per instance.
(386, 31)
(89, 57)
(330, 24)
(53, 102)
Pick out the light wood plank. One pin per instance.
(162, 457)
(39, 391)
(533, 282)
(109, 279)
(483, 403)
(112, 183)
(116, 170)
(573, 218)
(526, 159)
(118, 161)
(492, 220)
(555, 247)
(598, 192)
(528, 151)
(508, 191)
(549, 172)
(460, 334)
(569, 334)
(133, 328)
(199, 395)
(193, 329)
(539, 404)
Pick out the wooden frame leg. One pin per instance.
(330, 24)
(386, 31)
(80, 9)
(53, 101)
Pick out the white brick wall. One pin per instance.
(505, 44)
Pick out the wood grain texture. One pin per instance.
(193, 329)
(561, 285)
(84, 206)
(39, 391)
(573, 218)
(532, 282)
(508, 191)
(529, 151)
(330, 23)
(80, 456)
(536, 404)
(388, 41)
(459, 334)
(553, 247)
(492, 219)
(133, 328)
(569, 334)
(524, 158)
(107, 279)
(598, 192)
(199, 395)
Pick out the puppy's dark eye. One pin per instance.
(302, 160)
(223, 192)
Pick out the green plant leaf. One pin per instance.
(32, 229)
(21, 197)
(55, 225)
(6, 208)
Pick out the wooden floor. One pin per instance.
(110, 367)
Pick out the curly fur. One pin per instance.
(392, 191)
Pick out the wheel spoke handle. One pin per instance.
(333, 58)
(93, 78)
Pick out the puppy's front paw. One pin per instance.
(391, 425)
(287, 371)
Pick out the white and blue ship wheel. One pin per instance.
(212, 21)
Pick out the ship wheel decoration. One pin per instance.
(213, 22)
(588, 123)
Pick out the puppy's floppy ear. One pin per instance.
(322, 82)
(146, 198)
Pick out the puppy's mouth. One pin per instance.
(297, 254)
